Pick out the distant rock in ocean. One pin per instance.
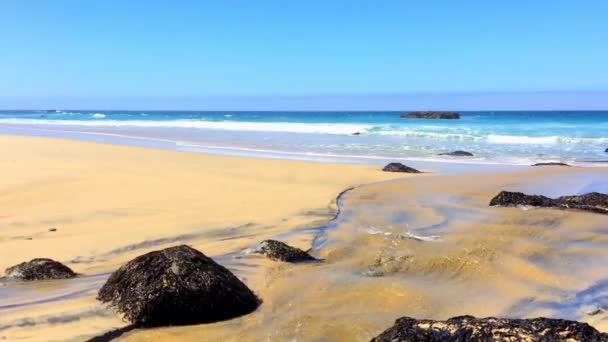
(594, 201)
(431, 115)
(551, 164)
(606, 150)
(280, 251)
(471, 329)
(39, 269)
(398, 167)
(176, 286)
(457, 154)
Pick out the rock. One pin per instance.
(357, 133)
(52, 229)
(471, 329)
(514, 199)
(39, 269)
(606, 150)
(176, 286)
(398, 167)
(551, 164)
(593, 201)
(457, 154)
(280, 251)
(431, 115)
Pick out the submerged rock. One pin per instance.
(469, 328)
(457, 154)
(431, 115)
(176, 286)
(593, 201)
(39, 269)
(277, 250)
(551, 164)
(398, 167)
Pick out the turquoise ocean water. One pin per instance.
(514, 138)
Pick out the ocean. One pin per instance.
(501, 137)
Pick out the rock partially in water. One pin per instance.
(551, 164)
(457, 154)
(39, 269)
(398, 167)
(176, 286)
(280, 251)
(52, 229)
(514, 199)
(594, 201)
(357, 133)
(606, 150)
(431, 115)
(471, 329)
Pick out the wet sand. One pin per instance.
(425, 246)
(111, 203)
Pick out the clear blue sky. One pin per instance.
(309, 54)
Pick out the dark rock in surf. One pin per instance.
(457, 154)
(357, 133)
(398, 167)
(606, 150)
(39, 269)
(176, 286)
(431, 115)
(280, 251)
(551, 164)
(52, 229)
(594, 201)
(471, 329)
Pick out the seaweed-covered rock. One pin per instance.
(593, 201)
(457, 154)
(471, 329)
(551, 164)
(277, 250)
(398, 167)
(39, 269)
(514, 199)
(176, 286)
(431, 115)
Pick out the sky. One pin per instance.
(301, 55)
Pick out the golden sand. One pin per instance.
(107, 200)
(104, 200)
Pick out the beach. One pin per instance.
(422, 245)
(112, 203)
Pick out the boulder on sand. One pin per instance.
(398, 167)
(39, 269)
(471, 329)
(594, 201)
(277, 250)
(457, 154)
(176, 286)
(431, 115)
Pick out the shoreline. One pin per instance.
(157, 141)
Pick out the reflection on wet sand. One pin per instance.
(425, 247)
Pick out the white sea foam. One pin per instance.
(99, 116)
(322, 128)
